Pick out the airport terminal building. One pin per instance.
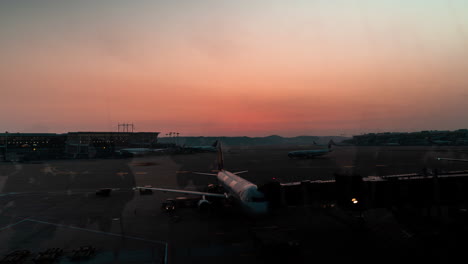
(103, 144)
(34, 146)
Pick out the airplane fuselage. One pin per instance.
(244, 191)
(308, 153)
(139, 151)
(442, 142)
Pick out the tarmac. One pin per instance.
(52, 204)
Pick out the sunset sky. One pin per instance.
(234, 68)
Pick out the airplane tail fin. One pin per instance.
(429, 139)
(219, 158)
(330, 143)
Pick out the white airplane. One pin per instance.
(439, 142)
(448, 159)
(311, 153)
(138, 151)
(240, 190)
(210, 148)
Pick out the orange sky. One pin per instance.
(250, 68)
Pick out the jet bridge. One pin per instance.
(415, 190)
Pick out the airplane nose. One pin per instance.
(264, 210)
(260, 208)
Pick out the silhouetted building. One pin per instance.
(422, 138)
(35, 146)
(31, 146)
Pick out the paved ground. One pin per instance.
(52, 204)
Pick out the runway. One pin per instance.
(52, 204)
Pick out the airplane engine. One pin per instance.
(204, 205)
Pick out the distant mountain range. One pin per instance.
(252, 141)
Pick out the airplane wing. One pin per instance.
(462, 160)
(239, 172)
(184, 192)
(204, 173)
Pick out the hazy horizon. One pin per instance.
(163, 134)
(234, 68)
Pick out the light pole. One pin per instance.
(6, 144)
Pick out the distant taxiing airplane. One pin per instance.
(439, 142)
(240, 190)
(448, 159)
(211, 148)
(138, 151)
(311, 153)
